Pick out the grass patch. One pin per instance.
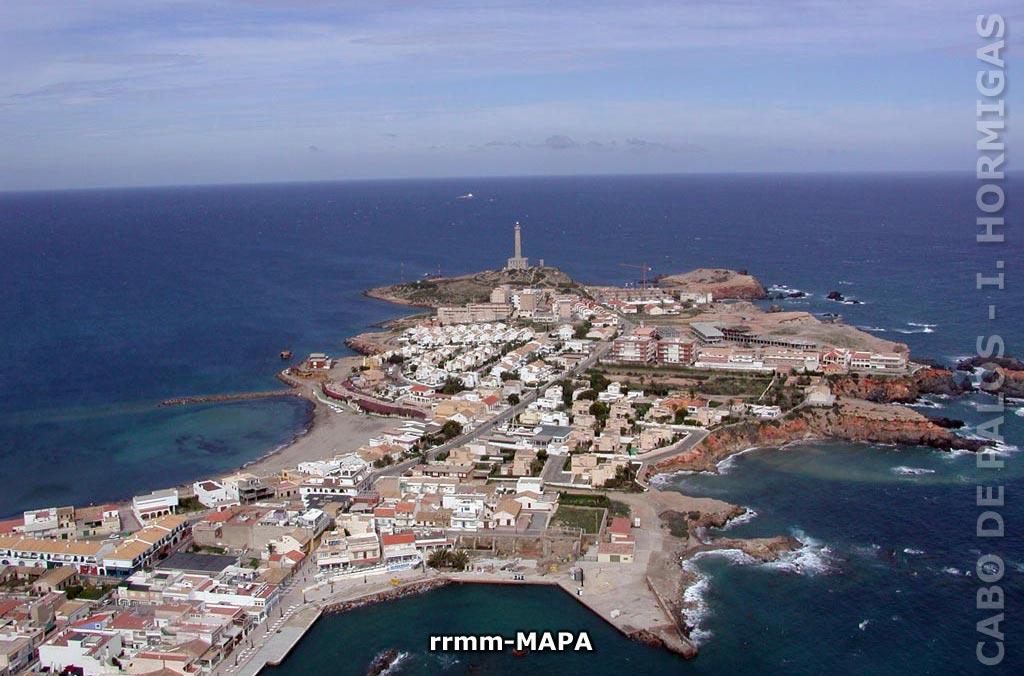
(619, 508)
(594, 501)
(588, 519)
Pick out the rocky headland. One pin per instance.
(720, 282)
(472, 288)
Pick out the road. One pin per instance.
(694, 437)
(600, 350)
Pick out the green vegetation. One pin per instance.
(383, 461)
(396, 359)
(87, 592)
(191, 504)
(641, 410)
(678, 523)
(451, 429)
(208, 549)
(537, 464)
(513, 398)
(452, 385)
(452, 559)
(582, 329)
(624, 479)
(599, 410)
(733, 386)
(588, 519)
(594, 500)
(599, 382)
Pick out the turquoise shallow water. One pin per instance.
(91, 454)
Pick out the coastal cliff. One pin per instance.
(720, 282)
(849, 420)
(898, 389)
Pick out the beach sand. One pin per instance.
(329, 433)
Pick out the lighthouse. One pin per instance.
(517, 262)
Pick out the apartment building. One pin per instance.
(675, 351)
(635, 349)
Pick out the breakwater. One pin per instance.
(239, 396)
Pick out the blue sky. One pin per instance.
(129, 92)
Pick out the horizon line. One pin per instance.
(496, 177)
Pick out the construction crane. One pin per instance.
(643, 268)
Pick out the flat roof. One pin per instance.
(706, 329)
(193, 562)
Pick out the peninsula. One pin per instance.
(508, 436)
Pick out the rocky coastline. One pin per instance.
(1001, 375)
(900, 390)
(849, 420)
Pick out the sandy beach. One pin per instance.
(329, 433)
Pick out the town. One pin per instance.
(523, 428)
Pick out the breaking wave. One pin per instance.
(917, 328)
(726, 465)
(903, 470)
(812, 558)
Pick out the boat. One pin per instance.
(467, 196)
(286, 355)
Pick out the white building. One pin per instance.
(214, 494)
(155, 505)
(91, 652)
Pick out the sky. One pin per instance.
(152, 92)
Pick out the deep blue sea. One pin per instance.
(116, 299)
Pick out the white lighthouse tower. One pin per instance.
(518, 262)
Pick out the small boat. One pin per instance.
(467, 196)
(286, 355)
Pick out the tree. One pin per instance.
(599, 410)
(452, 385)
(599, 382)
(447, 558)
(451, 429)
(566, 386)
(513, 399)
(396, 358)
